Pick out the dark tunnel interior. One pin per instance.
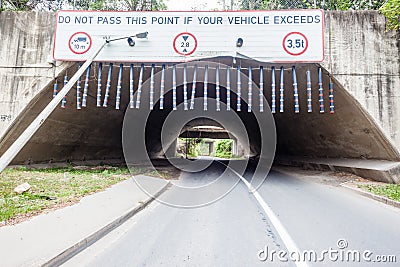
(94, 133)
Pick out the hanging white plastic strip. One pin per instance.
(320, 92)
(119, 86)
(295, 91)
(309, 99)
(228, 88)
(174, 88)
(185, 102)
(261, 93)
(162, 86)
(78, 91)
(193, 95)
(139, 91)
(331, 100)
(108, 87)
(152, 87)
(217, 89)
(131, 86)
(205, 107)
(86, 87)
(281, 94)
(55, 89)
(250, 90)
(64, 100)
(239, 89)
(273, 90)
(98, 101)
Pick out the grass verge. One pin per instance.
(391, 191)
(53, 188)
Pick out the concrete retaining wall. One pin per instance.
(360, 55)
(25, 61)
(365, 59)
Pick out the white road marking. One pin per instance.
(283, 233)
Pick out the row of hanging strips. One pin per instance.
(81, 97)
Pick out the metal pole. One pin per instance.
(16, 147)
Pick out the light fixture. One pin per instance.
(239, 42)
(141, 35)
(131, 42)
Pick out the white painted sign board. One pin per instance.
(267, 36)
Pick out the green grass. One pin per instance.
(53, 187)
(391, 191)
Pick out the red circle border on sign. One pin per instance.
(290, 53)
(195, 43)
(79, 53)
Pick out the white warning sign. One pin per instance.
(263, 35)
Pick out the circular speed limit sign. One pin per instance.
(295, 43)
(185, 43)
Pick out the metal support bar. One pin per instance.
(16, 147)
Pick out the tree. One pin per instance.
(224, 148)
(322, 4)
(391, 10)
(139, 5)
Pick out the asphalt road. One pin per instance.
(235, 230)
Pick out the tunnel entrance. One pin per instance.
(210, 140)
(95, 133)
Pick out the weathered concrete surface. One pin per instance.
(26, 67)
(360, 56)
(378, 170)
(365, 59)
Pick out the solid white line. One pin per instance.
(283, 233)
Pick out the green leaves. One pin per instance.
(391, 10)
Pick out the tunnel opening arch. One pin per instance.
(94, 133)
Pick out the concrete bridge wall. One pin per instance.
(363, 59)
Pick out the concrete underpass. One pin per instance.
(358, 129)
(257, 204)
(94, 133)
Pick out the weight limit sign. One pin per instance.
(185, 44)
(295, 43)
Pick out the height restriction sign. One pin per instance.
(185, 43)
(262, 35)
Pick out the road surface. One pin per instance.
(330, 225)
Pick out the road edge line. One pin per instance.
(283, 233)
(73, 250)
